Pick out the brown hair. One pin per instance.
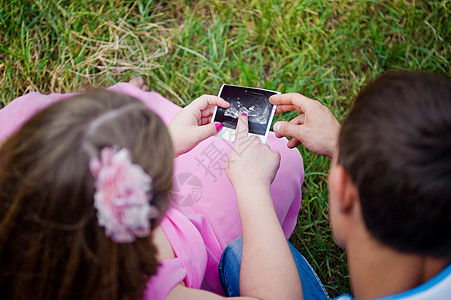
(396, 146)
(51, 245)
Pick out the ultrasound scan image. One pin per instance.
(257, 113)
(251, 101)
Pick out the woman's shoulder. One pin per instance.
(161, 242)
(19, 110)
(181, 253)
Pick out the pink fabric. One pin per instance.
(21, 109)
(203, 197)
(190, 260)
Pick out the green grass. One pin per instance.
(326, 50)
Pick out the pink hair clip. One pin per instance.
(123, 195)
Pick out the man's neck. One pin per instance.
(378, 270)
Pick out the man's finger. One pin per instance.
(284, 128)
(297, 100)
(293, 143)
(285, 107)
(299, 120)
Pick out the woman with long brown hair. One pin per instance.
(89, 209)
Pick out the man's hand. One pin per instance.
(315, 128)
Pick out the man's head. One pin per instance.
(395, 148)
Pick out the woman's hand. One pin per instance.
(192, 124)
(251, 163)
(315, 128)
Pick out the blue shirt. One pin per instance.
(438, 287)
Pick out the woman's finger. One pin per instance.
(208, 112)
(204, 101)
(242, 129)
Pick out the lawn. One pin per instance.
(326, 50)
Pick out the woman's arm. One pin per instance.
(268, 270)
(182, 292)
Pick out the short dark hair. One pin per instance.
(51, 245)
(396, 146)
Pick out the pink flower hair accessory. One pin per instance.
(123, 195)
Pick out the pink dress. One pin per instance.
(204, 216)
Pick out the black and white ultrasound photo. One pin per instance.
(251, 101)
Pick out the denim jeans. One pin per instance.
(229, 272)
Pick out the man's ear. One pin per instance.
(346, 194)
